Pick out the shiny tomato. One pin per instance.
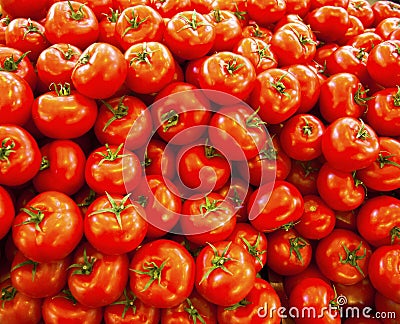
(107, 27)
(304, 176)
(7, 211)
(158, 160)
(266, 12)
(26, 8)
(362, 10)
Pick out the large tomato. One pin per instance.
(7, 212)
(25, 8)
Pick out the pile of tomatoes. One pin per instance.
(199, 161)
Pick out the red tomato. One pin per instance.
(115, 225)
(252, 30)
(48, 228)
(266, 12)
(362, 10)
(169, 8)
(25, 8)
(224, 266)
(107, 27)
(7, 212)
(162, 273)
(385, 9)
(304, 176)
(20, 156)
(89, 276)
(299, 8)
(99, 7)
(367, 40)
(158, 161)
(192, 71)
(343, 257)
(360, 295)
(387, 306)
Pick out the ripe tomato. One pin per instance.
(266, 12)
(107, 27)
(169, 8)
(367, 40)
(64, 113)
(385, 9)
(252, 30)
(25, 8)
(89, 276)
(304, 176)
(62, 169)
(162, 273)
(273, 205)
(71, 22)
(48, 228)
(20, 156)
(362, 10)
(343, 257)
(384, 304)
(384, 271)
(224, 266)
(158, 161)
(7, 212)
(114, 225)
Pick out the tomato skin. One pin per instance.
(25, 8)
(237, 284)
(332, 249)
(338, 189)
(62, 309)
(304, 176)
(266, 12)
(383, 114)
(377, 218)
(383, 175)
(158, 161)
(23, 162)
(7, 211)
(384, 271)
(176, 277)
(16, 100)
(104, 232)
(385, 9)
(367, 40)
(384, 304)
(383, 63)
(360, 295)
(95, 289)
(20, 309)
(260, 295)
(299, 8)
(64, 169)
(58, 236)
(268, 215)
(169, 8)
(151, 67)
(348, 144)
(362, 10)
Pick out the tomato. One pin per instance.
(348, 144)
(224, 266)
(16, 101)
(26, 35)
(192, 71)
(189, 35)
(138, 24)
(48, 228)
(252, 30)
(72, 23)
(340, 190)
(169, 8)
(7, 211)
(96, 61)
(285, 205)
(230, 73)
(385, 9)
(383, 63)
(356, 27)
(311, 271)
(62, 169)
(367, 40)
(362, 10)
(89, 276)
(384, 173)
(4, 21)
(99, 7)
(158, 161)
(277, 95)
(38, 280)
(114, 225)
(20, 156)
(360, 295)
(193, 309)
(228, 30)
(299, 8)
(151, 67)
(312, 298)
(64, 113)
(162, 273)
(56, 63)
(384, 271)
(387, 306)
(266, 12)
(17, 307)
(251, 309)
(343, 257)
(107, 27)
(207, 219)
(201, 6)
(129, 309)
(25, 8)
(123, 120)
(63, 308)
(304, 176)
(383, 113)
(322, 3)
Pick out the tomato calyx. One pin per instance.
(385, 159)
(7, 294)
(307, 128)
(172, 119)
(253, 121)
(128, 302)
(30, 28)
(35, 217)
(84, 268)
(119, 112)
(396, 97)
(262, 54)
(10, 65)
(110, 155)
(153, 271)
(308, 168)
(88, 199)
(62, 90)
(288, 226)
(7, 147)
(76, 14)
(27, 262)
(394, 234)
(362, 133)
(268, 153)
(358, 96)
(143, 56)
(280, 87)
(134, 22)
(253, 249)
(352, 257)
(257, 32)
(191, 23)
(243, 303)
(361, 54)
(240, 15)
(236, 200)
(84, 59)
(232, 66)
(115, 209)
(113, 16)
(210, 206)
(193, 312)
(5, 21)
(217, 15)
(304, 40)
(143, 201)
(68, 296)
(210, 151)
(218, 261)
(297, 243)
(358, 182)
(68, 54)
(45, 164)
